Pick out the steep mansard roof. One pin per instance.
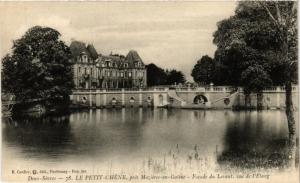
(92, 51)
(133, 56)
(77, 48)
(117, 59)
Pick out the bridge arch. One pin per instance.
(200, 99)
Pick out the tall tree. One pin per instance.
(258, 45)
(283, 15)
(156, 75)
(39, 66)
(203, 71)
(175, 77)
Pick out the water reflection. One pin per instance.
(44, 137)
(253, 141)
(238, 139)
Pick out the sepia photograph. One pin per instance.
(149, 91)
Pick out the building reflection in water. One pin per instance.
(240, 139)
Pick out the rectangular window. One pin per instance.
(122, 74)
(129, 74)
(79, 69)
(85, 72)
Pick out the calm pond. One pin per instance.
(154, 140)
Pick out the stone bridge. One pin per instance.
(218, 97)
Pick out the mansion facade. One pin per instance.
(92, 70)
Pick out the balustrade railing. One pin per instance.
(185, 89)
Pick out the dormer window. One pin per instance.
(84, 58)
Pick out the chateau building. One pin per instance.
(92, 70)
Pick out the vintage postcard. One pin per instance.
(149, 91)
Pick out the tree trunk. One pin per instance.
(260, 101)
(291, 124)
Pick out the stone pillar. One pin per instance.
(72, 99)
(98, 98)
(78, 98)
(123, 97)
(104, 98)
(90, 99)
(278, 91)
(211, 87)
(155, 98)
(140, 97)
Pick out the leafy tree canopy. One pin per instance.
(203, 71)
(39, 66)
(159, 76)
(175, 77)
(249, 43)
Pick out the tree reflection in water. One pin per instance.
(252, 149)
(39, 137)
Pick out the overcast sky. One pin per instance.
(169, 34)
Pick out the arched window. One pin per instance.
(149, 99)
(160, 100)
(84, 58)
(131, 100)
(84, 99)
(114, 100)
